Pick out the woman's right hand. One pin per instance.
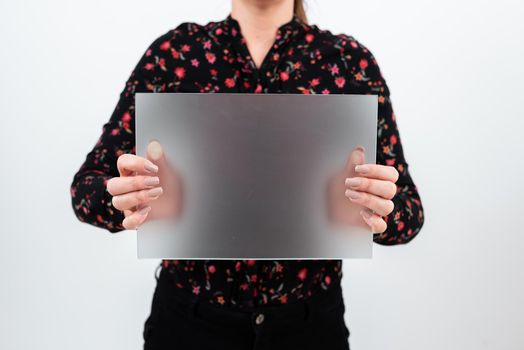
(141, 183)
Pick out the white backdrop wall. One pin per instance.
(455, 70)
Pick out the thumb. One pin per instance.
(155, 153)
(357, 157)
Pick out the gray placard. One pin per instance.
(255, 172)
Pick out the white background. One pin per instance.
(455, 70)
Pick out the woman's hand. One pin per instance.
(372, 186)
(141, 184)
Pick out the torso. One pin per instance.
(303, 59)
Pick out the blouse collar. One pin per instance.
(285, 32)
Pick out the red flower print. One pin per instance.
(207, 44)
(210, 57)
(310, 37)
(166, 45)
(211, 269)
(284, 75)
(230, 82)
(390, 162)
(149, 66)
(283, 299)
(175, 54)
(196, 290)
(213, 72)
(400, 225)
(148, 52)
(219, 31)
(258, 89)
(363, 64)
(194, 62)
(251, 263)
(327, 280)
(354, 44)
(325, 92)
(302, 274)
(180, 72)
(126, 117)
(340, 81)
(186, 48)
(393, 139)
(314, 82)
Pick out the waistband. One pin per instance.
(292, 315)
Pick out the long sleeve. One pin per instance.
(91, 202)
(407, 218)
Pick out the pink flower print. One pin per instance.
(302, 274)
(310, 37)
(340, 81)
(180, 72)
(166, 45)
(210, 57)
(284, 75)
(230, 82)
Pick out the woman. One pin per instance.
(263, 46)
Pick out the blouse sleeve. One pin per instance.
(91, 202)
(407, 217)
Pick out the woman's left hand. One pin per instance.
(373, 187)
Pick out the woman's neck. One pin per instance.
(259, 21)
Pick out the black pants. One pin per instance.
(180, 322)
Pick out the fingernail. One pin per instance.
(353, 182)
(352, 194)
(154, 192)
(151, 181)
(149, 166)
(144, 210)
(360, 147)
(155, 150)
(363, 169)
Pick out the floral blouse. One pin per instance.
(214, 58)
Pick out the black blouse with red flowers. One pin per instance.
(214, 58)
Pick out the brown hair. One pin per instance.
(300, 10)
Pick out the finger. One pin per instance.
(375, 222)
(381, 188)
(121, 185)
(356, 157)
(378, 171)
(130, 200)
(379, 205)
(134, 220)
(129, 164)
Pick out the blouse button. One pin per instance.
(259, 319)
